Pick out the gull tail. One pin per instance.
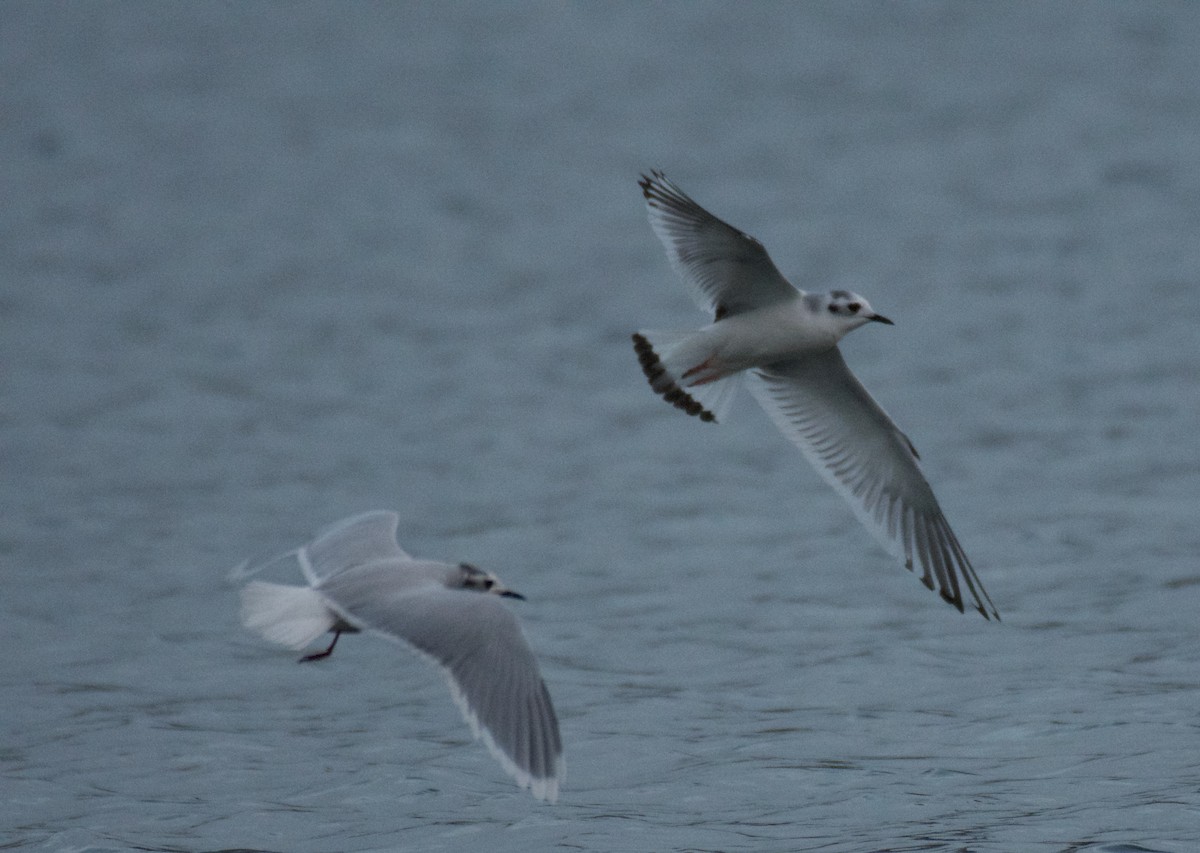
(291, 616)
(668, 357)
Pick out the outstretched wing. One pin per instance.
(477, 641)
(726, 270)
(351, 542)
(821, 406)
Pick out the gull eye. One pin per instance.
(854, 306)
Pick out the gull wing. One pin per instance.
(821, 406)
(478, 643)
(726, 271)
(350, 542)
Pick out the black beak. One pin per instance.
(508, 593)
(879, 318)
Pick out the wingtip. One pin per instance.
(653, 184)
(542, 787)
(990, 615)
(956, 600)
(984, 611)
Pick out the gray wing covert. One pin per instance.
(820, 405)
(726, 270)
(493, 674)
(351, 542)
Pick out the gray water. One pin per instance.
(263, 266)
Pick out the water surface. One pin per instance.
(264, 266)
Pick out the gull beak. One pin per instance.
(508, 593)
(879, 318)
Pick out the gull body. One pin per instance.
(784, 342)
(776, 331)
(360, 580)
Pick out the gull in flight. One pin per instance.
(359, 579)
(785, 342)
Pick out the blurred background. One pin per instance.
(266, 265)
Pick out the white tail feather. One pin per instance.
(291, 616)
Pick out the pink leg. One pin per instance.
(713, 378)
(692, 371)
(707, 370)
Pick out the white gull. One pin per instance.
(785, 341)
(359, 579)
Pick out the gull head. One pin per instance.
(473, 578)
(849, 310)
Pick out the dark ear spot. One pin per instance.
(833, 309)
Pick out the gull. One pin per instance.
(359, 579)
(784, 341)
